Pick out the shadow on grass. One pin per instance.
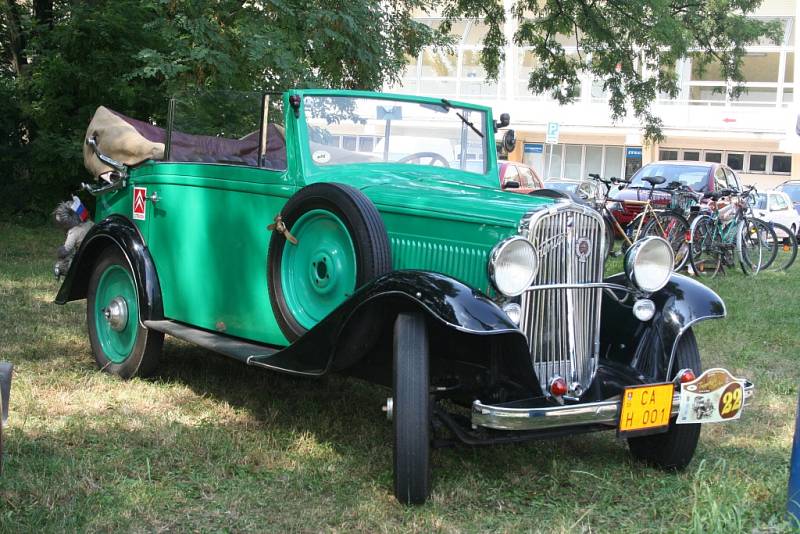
(345, 413)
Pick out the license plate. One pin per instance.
(646, 407)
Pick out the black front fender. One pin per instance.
(338, 341)
(650, 346)
(115, 231)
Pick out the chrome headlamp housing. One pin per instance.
(513, 264)
(648, 263)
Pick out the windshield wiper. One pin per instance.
(448, 105)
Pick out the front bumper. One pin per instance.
(592, 413)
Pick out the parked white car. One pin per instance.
(776, 206)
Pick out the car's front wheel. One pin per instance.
(411, 410)
(120, 344)
(674, 449)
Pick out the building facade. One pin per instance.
(755, 135)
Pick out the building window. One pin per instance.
(667, 155)
(714, 157)
(781, 164)
(572, 161)
(594, 160)
(691, 155)
(758, 163)
(349, 142)
(366, 143)
(613, 163)
(735, 161)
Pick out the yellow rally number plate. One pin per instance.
(646, 407)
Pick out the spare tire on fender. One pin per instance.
(341, 245)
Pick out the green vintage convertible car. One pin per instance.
(326, 231)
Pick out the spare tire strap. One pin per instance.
(280, 227)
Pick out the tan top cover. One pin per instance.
(118, 140)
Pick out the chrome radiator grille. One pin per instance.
(562, 323)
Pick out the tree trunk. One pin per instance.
(43, 11)
(16, 39)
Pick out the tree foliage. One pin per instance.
(60, 59)
(632, 46)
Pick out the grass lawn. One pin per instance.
(209, 444)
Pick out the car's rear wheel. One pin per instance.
(341, 244)
(120, 344)
(674, 449)
(411, 409)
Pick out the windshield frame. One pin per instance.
(487, 177)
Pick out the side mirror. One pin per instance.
(509, 141)
(511, 184)
(505, 120)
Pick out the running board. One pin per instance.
(254, 354)
(235, 348)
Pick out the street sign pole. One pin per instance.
(551, 139)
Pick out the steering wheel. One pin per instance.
(419, 155)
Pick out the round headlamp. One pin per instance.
(648, 263)
(512, 265)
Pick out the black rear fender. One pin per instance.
(115, 231)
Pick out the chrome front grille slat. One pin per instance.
(563, 324)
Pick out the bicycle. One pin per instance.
(669, 224)
(715, 237)
(787, 248)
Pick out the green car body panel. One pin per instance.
(207, 230)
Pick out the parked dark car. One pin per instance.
(525, 176)
(791, 188)
(700, 176)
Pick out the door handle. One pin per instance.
(154, 198)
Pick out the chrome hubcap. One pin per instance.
(116, 313)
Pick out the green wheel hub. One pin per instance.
(115, 313)
(319, 272)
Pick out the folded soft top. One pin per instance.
(132, 142)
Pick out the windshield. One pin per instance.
(793, 190)
(694, 176)
(760, 201)
(346, 130)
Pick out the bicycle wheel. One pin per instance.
(675, 230)
(705, 253)
(787, 248)
(756, 245)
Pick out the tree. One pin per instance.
(631, 45)
(60, 59)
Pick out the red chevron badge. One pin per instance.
(139, 203)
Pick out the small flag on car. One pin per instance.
(78, 207)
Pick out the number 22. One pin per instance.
(732, 401)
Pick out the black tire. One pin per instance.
(674, 449)
(142, 360)
(705, 253)
(610, 237)
(673, 228)
(364, 225)
(787, 247)
(411, 410)
(756, 245)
